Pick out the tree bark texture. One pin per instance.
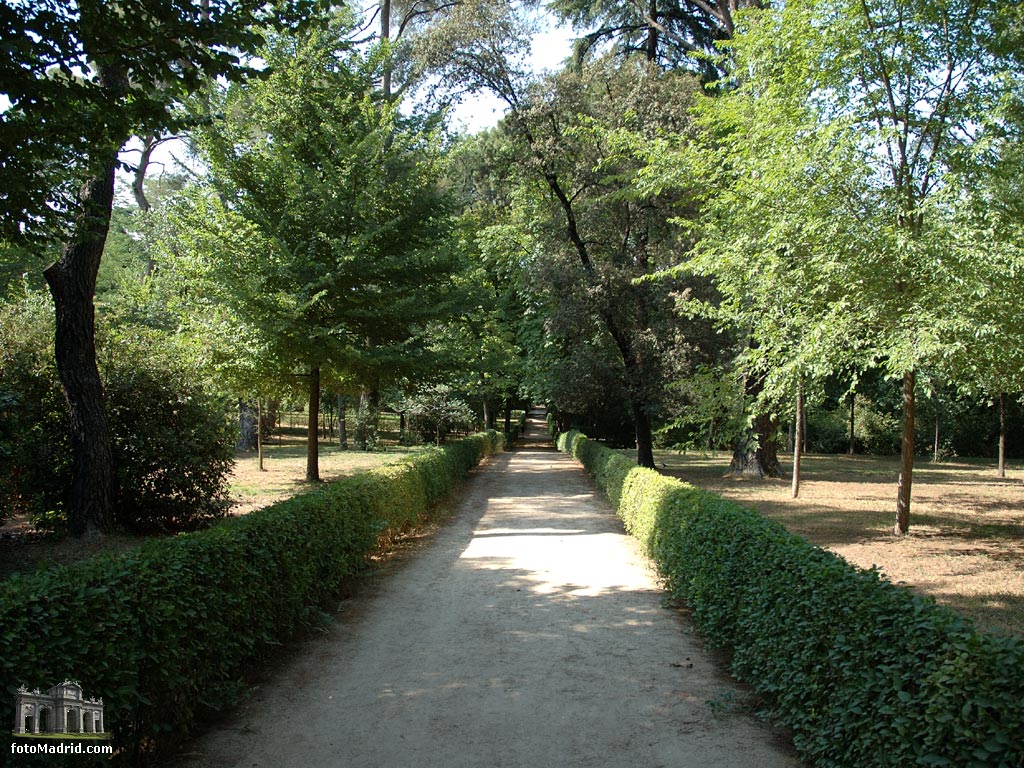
(798, 441)
(756, 454)
(259, 430)
(652, 32)
(644, 435)
(247, 427)
(312, 431)
(72, 283)
(853, 402)
(906, 456)
(1002, 434)
(342, 424)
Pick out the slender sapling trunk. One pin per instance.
(798, 440)
(906, 456)
(1002, 434)
(312, 432)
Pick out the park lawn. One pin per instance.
(23, 549)
(284, 475)
(966, 541)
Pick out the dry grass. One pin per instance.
(284, 475)
(966, 543)
(23, 549)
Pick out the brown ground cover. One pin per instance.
(966, 543)
(23, 549)
(284, 463)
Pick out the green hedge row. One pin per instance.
(164, 632)
(865, 673)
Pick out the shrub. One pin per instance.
(172, 445)
(864, 672)
(163, 632)
(435, 410)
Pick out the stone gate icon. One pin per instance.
(62, 709)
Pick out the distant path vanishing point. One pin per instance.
(529, 632)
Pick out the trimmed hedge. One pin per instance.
(864, 672)
(164, 632)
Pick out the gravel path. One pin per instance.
(529, 632)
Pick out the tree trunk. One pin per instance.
(798, 441)
(755, 453)
(385, 35)
(259, 431)
(488, 420)
(906, 456)
(247, 427)
(935, 446)
(652, 32)
(644, 436)
(312, 432)
(853, 402)
(508, 414)
(72, 283)
(342, 424)
(1002, 434)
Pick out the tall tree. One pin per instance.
(576, 187)
(901, 87)
(82, 78)
(673, 34)
(342, 219)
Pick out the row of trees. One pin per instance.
(781, 194)
(318, 247)
(710, 203)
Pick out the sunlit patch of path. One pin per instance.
(530, 632)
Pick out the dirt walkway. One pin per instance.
(529, 632)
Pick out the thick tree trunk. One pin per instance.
(906, 456)
(652, 32)
(935, 445)
(488, 418)
(644, 435)
(247, 427)
(756, 454)
(72, 282)
(1002, 434)
(798, 441)
(508, 414)
(312, 432)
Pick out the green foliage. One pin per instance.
(172, 445)
(162, 633)
(863, 672)
(82, 77)
(323, 225)
(433, 411)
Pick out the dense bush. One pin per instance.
(172, 445)
(435, 410)
(162, 633)
(864, 672)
